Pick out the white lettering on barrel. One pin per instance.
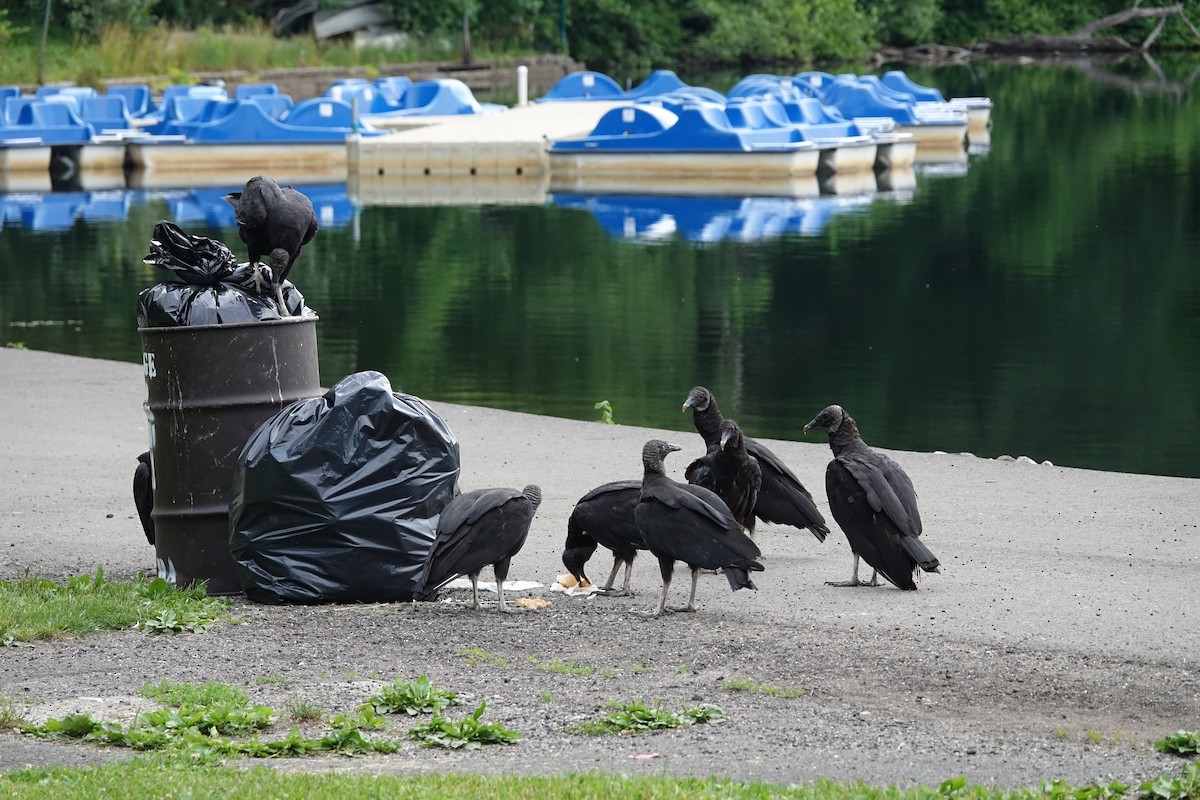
(148, 363)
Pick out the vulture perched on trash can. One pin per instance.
(874, 502)
(475, 529)
(782, 498)
(604, 516)
(681, 522)
(276, 222)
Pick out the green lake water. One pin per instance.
(1040, 299)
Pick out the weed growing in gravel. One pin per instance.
(560, 667)
(627, 718)
(34, 608)
(301, 711)
(1181, 743)
(1061, 732)
(546, 697)
(477, 655)
(9, 718)
(412, 698)
(751, 685)
(468, 733)
(269, 680)
(170, 693)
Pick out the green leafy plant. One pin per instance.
(412, 698)
(1180, 743)
(630, 718)
(468, 733)
(605, 409)
(171, 693)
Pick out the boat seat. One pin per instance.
(106, 113)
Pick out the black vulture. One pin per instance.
(874, 502)
(732, 473)
(275, 222)
(782, 498)
(475, 529)
(605, 516)
(681, 522)
(143, 494)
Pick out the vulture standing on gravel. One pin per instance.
(275, 222)
(782, 498)
(874, 502)
(732, 473)
(475, 529)
(143, 494)
(604, 516)
(681, 522)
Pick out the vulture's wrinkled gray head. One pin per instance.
(534, 494)
(731, 435)
(653, 453)
(698, 398)
(830, 418)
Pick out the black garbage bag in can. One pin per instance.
(336, 499)
(209, 287)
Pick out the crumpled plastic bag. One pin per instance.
(337, 498)
(209, 287)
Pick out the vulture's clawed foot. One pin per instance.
(682, 609)
(609, 592)
(850, 583)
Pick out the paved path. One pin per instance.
(1092, 567)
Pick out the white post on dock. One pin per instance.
(522, 86)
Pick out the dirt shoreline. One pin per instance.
(1059, 641)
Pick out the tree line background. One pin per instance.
(607, 33)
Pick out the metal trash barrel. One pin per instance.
(208, 388)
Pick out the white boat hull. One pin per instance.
(652, 166)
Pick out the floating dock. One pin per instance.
(510, 142)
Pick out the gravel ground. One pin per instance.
(1059, 641)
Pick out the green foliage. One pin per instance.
(560, 667)
(1181, 743)
(753, 686)
(37, 608)
(605, 409)
(412, 698)
(146, 777)
(302, 711)
(629, 718)
(477, 655)
(179, 694)
(906, 22)
(469, 733)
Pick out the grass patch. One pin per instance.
(9, 717)
(411, 698)
(477, 655)
(629, 718)
(34, 608)
(753, 686)
(147, 777)
(270, 680)
(1180, 743)
(301, 711)
(170, 693)
(468, 733)
(560, 667)
(209, 722)
(546, 697)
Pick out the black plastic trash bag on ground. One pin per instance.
(336, 499)
(209, 287)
